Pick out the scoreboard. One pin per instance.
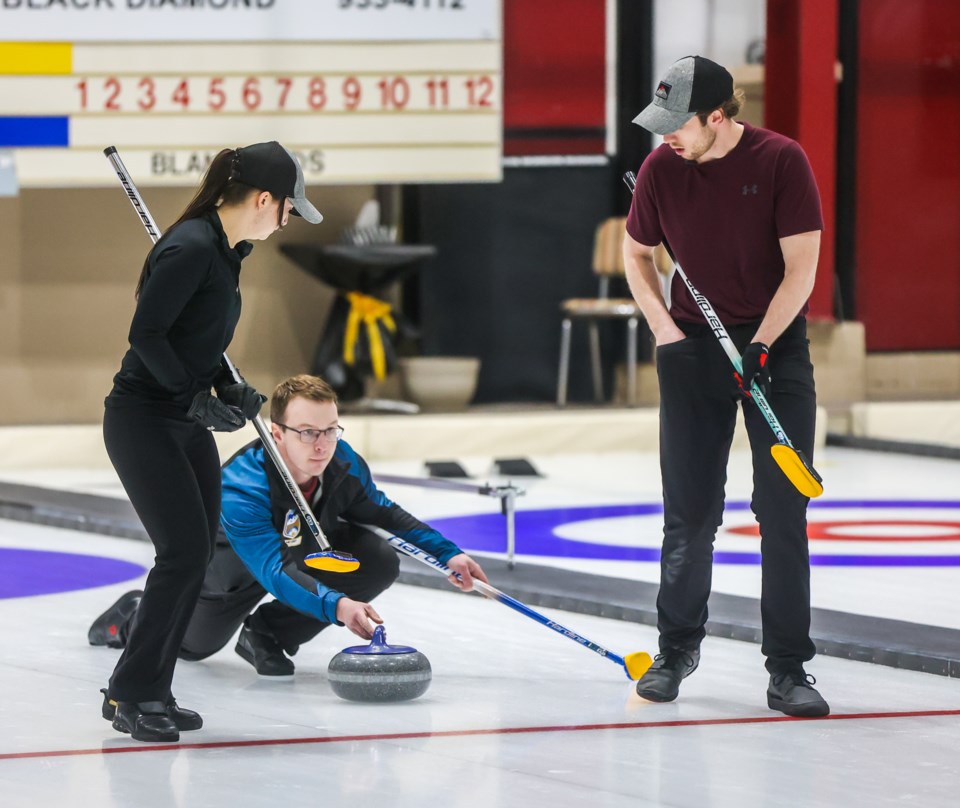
(383, 91)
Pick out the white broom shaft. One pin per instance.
(724, 338)
(133, 194)
(731, 350)
(713, 321)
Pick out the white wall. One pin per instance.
(721, 30)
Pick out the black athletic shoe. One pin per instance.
(106, 628)
(792, 692)
(145, 721)
(185, 720)
(662, 681)
(264, 653)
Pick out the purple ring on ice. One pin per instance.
(536, 534)
(24, 573)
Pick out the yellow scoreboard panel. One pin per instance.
(388, 109)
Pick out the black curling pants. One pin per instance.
(220, 610)
(698, 410)
(219, 613)
(170, 469)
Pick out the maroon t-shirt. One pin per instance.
(723, 220)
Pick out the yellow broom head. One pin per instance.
(804, 478)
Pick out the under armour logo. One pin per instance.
(749, 189)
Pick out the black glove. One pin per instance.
(211, 412)
(756, 368)
(243, 397)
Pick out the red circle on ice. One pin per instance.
(871, 530)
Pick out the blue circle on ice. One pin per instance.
(42, 572)
(537, 534)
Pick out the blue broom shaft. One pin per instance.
(415, 552)
(506, 600)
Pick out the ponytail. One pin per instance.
(218, 185)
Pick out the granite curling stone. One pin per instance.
(379, 672)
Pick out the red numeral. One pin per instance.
(112, 86)
(216, 97)
(285, 85)
(352, 91)
(149, 97)
(317, 95)
(439, 91)
(394, 92)
(251, 93)
(82, 87)
(479, 91)
(181, 95)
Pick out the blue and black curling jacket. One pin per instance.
(263, 525)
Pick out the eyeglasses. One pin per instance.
(330, 435)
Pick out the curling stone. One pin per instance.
(379, 672)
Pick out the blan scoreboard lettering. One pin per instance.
(386, 91)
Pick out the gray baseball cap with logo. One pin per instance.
(274, 168)
(693, 84)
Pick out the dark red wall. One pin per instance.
(553, 76)
(908, 174)
(800, 101)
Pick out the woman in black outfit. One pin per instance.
(161, 410)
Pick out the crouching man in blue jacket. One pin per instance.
(263, 543)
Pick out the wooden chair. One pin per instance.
(607, 264)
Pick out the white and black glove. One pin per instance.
(238, 394)
(243, 396)
(214, 414)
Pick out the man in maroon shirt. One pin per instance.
(738, 209)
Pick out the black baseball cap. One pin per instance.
(693, 84)
(271, 167)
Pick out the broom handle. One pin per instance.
(268, 443)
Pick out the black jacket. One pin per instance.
(185, 318)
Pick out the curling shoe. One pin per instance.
(662, 682)
(264, 653)
(184, 720)
(145, 721)
(106, 628)
(791, 692)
